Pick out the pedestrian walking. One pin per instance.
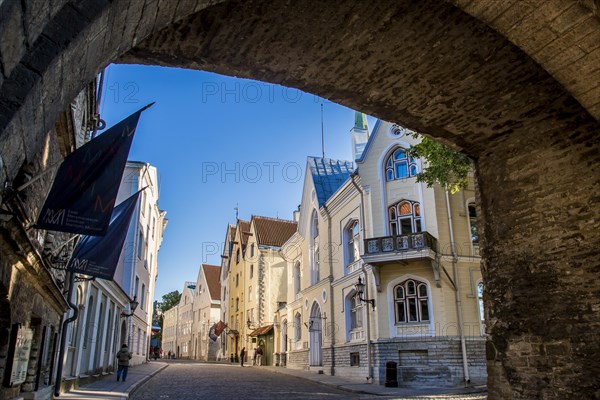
(156, 353)
(242, 355)
(254, 357)
(259, 354)
(123, 357)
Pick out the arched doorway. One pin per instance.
(315, 333)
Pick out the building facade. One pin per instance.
(32, 261)
(226, 257)
(207, 312)
(414, 249)
(137, 270)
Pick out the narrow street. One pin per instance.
(192, 380)
(185, 380)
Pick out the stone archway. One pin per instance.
(427, 65)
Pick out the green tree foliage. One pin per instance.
(443, 165)
(169, 301)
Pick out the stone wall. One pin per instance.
(297, 359)
(424, 362)
(427, 65)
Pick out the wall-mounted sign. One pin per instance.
(20, 359)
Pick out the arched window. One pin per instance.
(399, 166)
(473, 223)
(411, 299)
(405, 217)
(352, 242)
(314, 229)
(297, 327)
(297, 278)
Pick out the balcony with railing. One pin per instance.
(386, 249)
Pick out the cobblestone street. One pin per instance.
(203, 381)
(186, 380)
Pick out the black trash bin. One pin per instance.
(391, 374)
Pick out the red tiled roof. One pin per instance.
(263, 330)
(244, 227)
(213, 280)
(273, 231)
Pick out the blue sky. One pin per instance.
(220, 142)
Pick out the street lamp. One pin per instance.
(132, 306)
(360, 289)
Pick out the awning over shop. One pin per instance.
(263, 330)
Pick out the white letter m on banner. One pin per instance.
(52, 217)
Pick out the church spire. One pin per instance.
(360, 135)
(360, 120)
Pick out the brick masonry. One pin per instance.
(512, 84)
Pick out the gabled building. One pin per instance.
(226, 257)
(185, 321)
(265, 283)
(383, 269)
(207, 312)
(237, 274)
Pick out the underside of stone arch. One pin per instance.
(464, 77)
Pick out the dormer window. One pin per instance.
(400, 166)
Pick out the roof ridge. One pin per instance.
(275, 219)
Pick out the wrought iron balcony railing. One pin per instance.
(414, 242)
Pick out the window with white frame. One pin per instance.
(314, 229)
(473, 223)
(143, 296)
(411, 299)
(405, 217)
(354, 319)
(297, 278)
(297, 327)
(352, 236)
(400, 166)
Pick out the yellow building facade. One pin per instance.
(414, 250)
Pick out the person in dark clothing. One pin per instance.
(123, 357)
(242, 355)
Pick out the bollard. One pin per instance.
(391, 374)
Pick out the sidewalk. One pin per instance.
(349, 385)
(109, 388)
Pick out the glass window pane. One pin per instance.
(422, 290)
(418, 225)
(393, 228)
(355, 229)
(393, 213)
(405, 226)
(424, 310)
(401, 170)
(412, 310)
(359, 320)
(399, 154)
(399, 292)
(413, 170)
(410, 288)
(400, 312)
(417, 209)
(389, 175)
(389, 163)
(405, 208)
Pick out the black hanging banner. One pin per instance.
(98, 255)
(85, 189)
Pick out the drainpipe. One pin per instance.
(362, 225)
(331, 298)
(63, 334)
(463, 344)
